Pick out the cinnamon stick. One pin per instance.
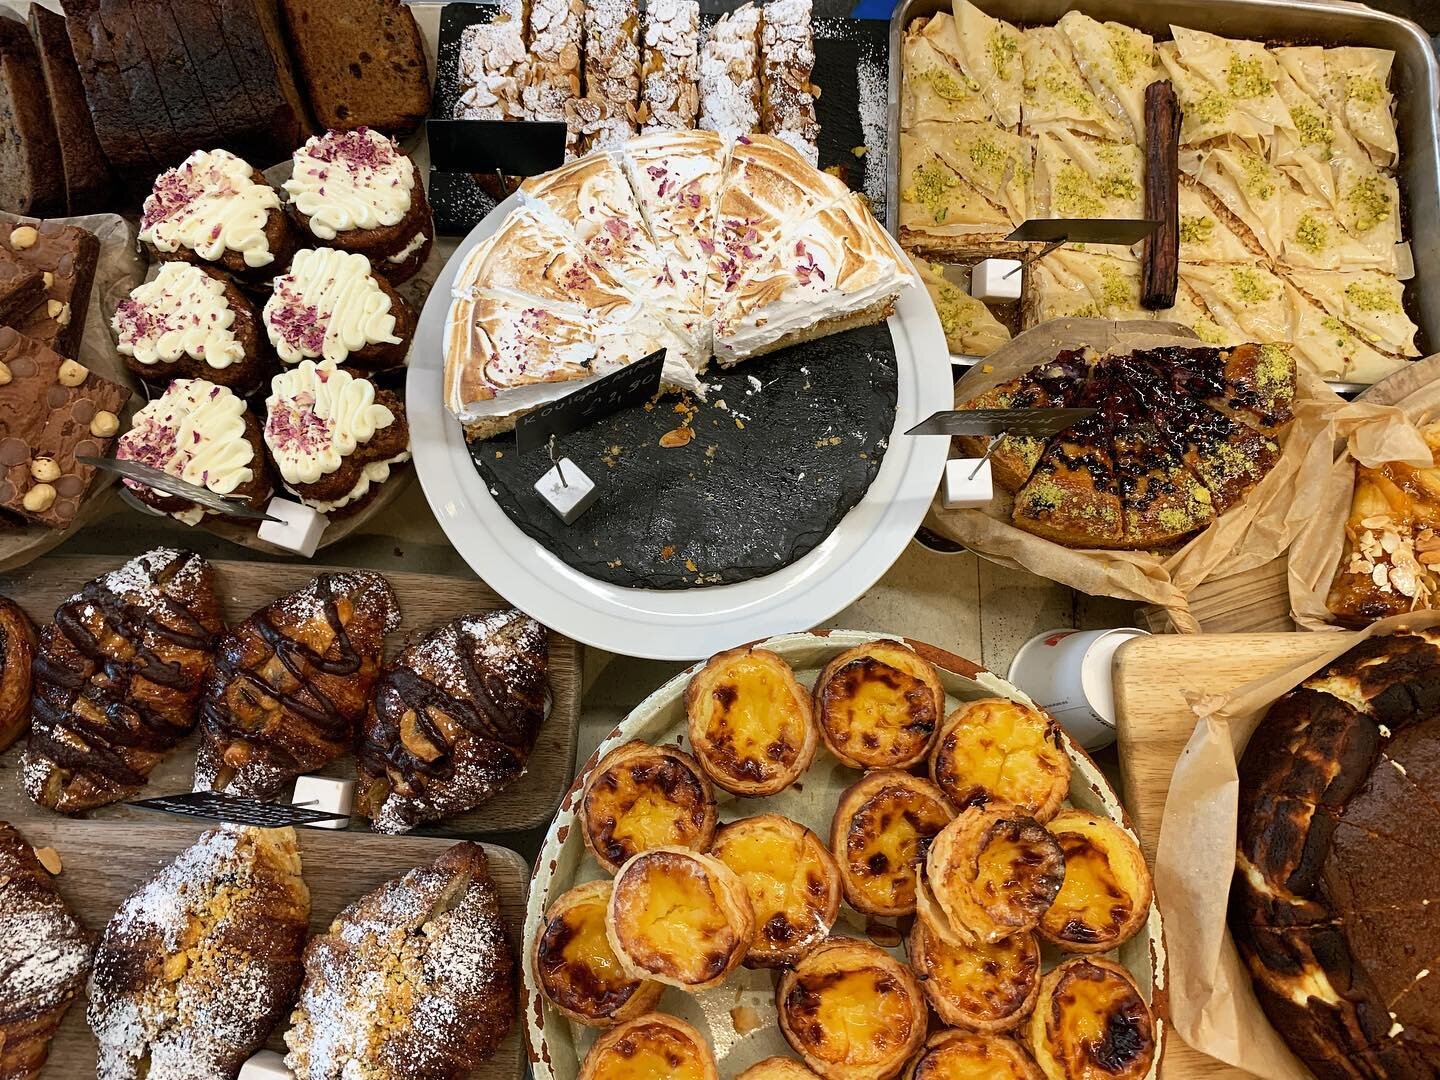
(1160, 273)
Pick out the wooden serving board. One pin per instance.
(426, 601)
(1154, 723)
(103, 863)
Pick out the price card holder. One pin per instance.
(509, 147)
(235, 809)
(631, 385)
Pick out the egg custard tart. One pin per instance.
(968, 1055)
(1091, 1023)
(777, 1068)
(994, 872)
(879, 705)
(793, 882)
(1107, 891)
(998, 749)
(650, 1047)
(577, 970)
(641, 797)
(882, 828)
(852, 1011)
(750, 722)
(982, 987)
(680, 918)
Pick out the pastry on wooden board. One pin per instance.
(453, 720)
(414, 979)
(117, 679)
(199, 962)
(640, 797)
(17, 651)
(44, 957)
(291, 683)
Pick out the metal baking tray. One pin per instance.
(1415, 81)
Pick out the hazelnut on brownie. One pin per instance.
(332, 306)
(355, 190)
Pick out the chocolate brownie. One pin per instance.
(67, 255)
(22, 288)
(52, 411)
(87, 174)
(31, 181)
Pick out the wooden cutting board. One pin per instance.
(426, 601)
(1154, 723)
(104, 862)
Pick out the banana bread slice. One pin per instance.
(31, 180)
(142, 85)
(254, 35)
(181, 81)
(242, 127)
(87, 173)
(121, 139)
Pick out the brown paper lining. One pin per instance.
(1212, 1004)
(1395, 407)
(1251, 534)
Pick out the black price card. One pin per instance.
(1122, 231)
(235, 809)
(511, 147)
(631, 385)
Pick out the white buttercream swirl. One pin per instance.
(328, 305)
(416, 243)
(346, 180)
(210, 203)
(195, 431)
(182, 312)
(315, 417)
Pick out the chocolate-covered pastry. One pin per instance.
(17, 652)
(65, 256)
(291, 683)
(117, 679)
(453, 720)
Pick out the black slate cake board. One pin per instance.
(851, 69)
(768, 472)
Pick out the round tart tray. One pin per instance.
(681, 623)
(558, 1046)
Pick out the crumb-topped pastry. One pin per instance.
(17, 652)
(970, 984)
(999, 750)
(355, 190)
(44, 954)
(577, 969)
(787, 62)
(201, 961)
(1105, 899)
(291, 683)
(641, 797)
(882, 828)
(650, 1046)
(956, 1054)
(730, 73)
(216, 208)
(413, 979)
(670, 67)
(1091, 1020)
(117, 679)
(191, 322)
(333, 436)
(203, 434)
(879, 705)
(331, 305)
(453, 720)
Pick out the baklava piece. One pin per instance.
(970, 984)
(641, 797)
(654, 1045)
(998, 750)
(1106, 895)
(882, 828)
(955, 1055)
(879, 705)
(1091, 1014)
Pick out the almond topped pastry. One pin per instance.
(777, 1068)
(994, 872)
(971, 984)
(999, 750)
(750, 722)
(879, 705)
(117, 679)
(291, 683)
(641, 797)
(650, 1047)
(17, 652)
(793, 882)
(1091, 1022)
(879, 836)
(577, 969)
(967, 1055)
(680, 918)
(852, 1011)
(1106, 895)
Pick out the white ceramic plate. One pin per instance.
(558, 1045)
(690, 623)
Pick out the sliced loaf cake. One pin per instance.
(31, 179)
(87, 173)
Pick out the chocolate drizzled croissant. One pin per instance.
(454, 719)
(291, 682)
(117, 678)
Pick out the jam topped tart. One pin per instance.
(750, 722)
(852, 1011)
(793, 882)
(1106, 895)
(1091, 1022)
(880, 834)
(680, 918)
(974, 985)
(650, 1047)
(968, 1055)
(641, 797)
(879, 705)
(999, 750)
(577, 969)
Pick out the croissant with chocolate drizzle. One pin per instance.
(453, 720)
(291, 683)
(117, 678)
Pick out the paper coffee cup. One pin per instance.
(1068, 673)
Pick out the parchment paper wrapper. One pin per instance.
(1386, 432)
(1212, 1003)
(1251, 534)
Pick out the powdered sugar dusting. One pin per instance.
(874, 87)
(44, 950)
(730, 74)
